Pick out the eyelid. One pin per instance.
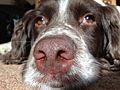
(87, 19)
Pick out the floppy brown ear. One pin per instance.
(111, 26)
(21, 41)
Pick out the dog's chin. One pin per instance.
(55, 84)
(58, 81)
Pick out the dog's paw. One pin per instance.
(117, 62)
(4, 48)
(116, 65)
(11, 62)
(105, 64)
(10, 59)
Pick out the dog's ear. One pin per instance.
(21, 40)
(111, 26)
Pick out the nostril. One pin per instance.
(60, 54)
(39, 55)
(64, 55)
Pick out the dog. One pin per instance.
(65, 44)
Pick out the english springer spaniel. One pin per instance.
(66, 43)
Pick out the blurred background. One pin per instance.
(10, 12)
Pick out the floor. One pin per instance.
(10, 79)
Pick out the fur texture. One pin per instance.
(93, 29)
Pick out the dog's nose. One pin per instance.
(54, 54)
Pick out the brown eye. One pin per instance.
(88, 19)
(40, 22)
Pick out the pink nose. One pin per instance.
(54, 54)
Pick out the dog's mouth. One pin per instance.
(58, 81)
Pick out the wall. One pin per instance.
(6, 1)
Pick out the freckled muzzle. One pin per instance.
(54, 55)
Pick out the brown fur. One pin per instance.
(108, 39)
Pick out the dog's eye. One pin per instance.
(40, 22)
(88, 19)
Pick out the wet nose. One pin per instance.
(56, 52)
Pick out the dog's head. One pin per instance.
(65, 39)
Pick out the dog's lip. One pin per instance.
(50, 80)
(56, 85)
(55, 82)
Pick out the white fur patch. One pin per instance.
(63, 6)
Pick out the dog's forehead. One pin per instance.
(63, 4)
